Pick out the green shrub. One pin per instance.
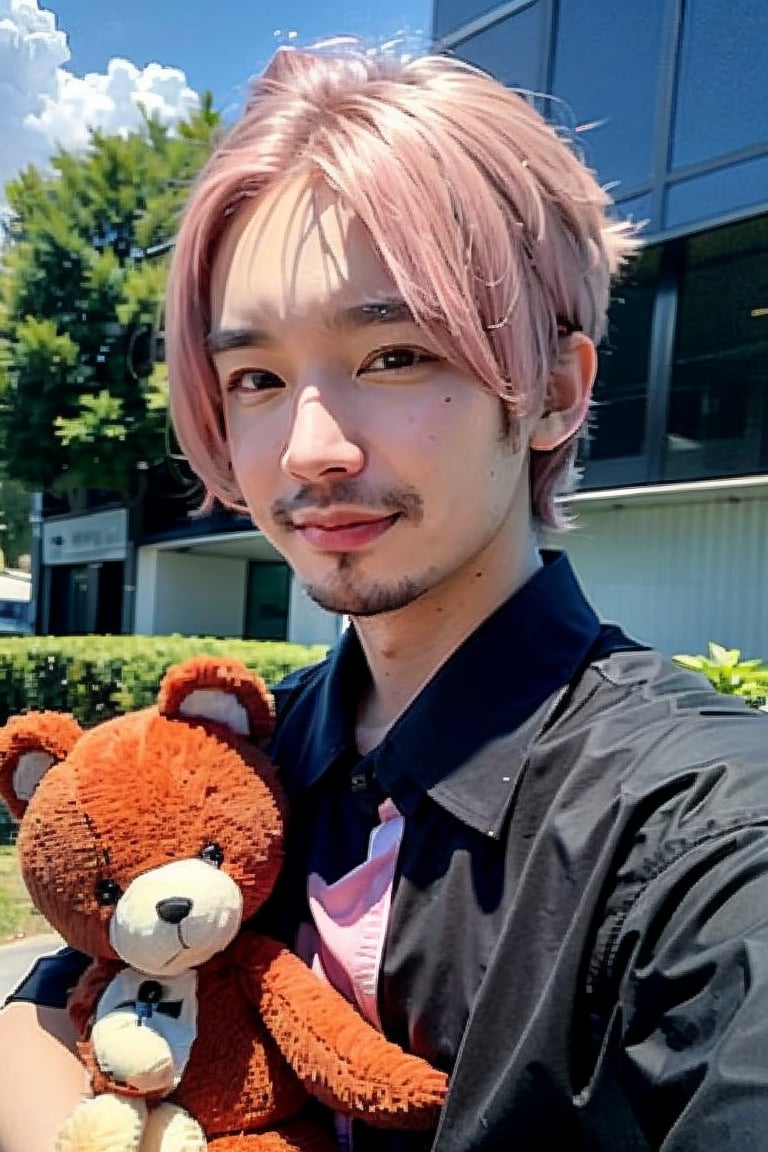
(95, 677)
(728, 673)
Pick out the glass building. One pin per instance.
(668, 100)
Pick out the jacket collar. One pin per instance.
(466, 736)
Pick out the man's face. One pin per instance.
(376, 468)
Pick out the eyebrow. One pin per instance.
(392, 310)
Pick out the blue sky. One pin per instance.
(67, 66)
(219, 43)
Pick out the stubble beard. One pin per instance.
(349, 596)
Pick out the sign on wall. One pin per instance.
(79, 539)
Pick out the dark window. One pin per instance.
(717, 417)
(86, 599)
(109, 598)
(614, 451)
(607, 63)
(69, 615)
(453, 14)
(714, 194)
(722, 97)
(58, 607)
(267, 599)
(513, 50)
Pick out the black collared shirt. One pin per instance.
(446, 743)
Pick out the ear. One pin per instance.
(568, 394)
(29, 746)
(211, 688)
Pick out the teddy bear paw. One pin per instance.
(133, 1054)
(413, 1090)
(103, 1124)
(171, 1129)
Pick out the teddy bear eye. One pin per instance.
(212, 854)
(108, 892)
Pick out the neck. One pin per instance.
(404, 649)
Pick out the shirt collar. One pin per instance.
(465, 737)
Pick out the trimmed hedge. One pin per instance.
(95, 677)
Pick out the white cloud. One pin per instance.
(43, 105)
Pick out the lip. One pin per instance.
(343, 531)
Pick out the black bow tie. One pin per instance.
(149, 1000)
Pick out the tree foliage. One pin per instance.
(15, 530)
(82, 273)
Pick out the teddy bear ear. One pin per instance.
(29, 746)
(213, 688)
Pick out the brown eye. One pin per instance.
(254, 380)
(400, 359)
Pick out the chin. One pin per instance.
(374, 598)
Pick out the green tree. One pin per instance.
(82, 272)
(15, 530)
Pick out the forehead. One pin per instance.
(295, 253)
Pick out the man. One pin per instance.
(528, 848)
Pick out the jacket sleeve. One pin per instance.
(51, 979)
(685, 961)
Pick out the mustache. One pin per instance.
(345, 490)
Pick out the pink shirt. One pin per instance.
(345, 943)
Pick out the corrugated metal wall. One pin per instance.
(677, 575)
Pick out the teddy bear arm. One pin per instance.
(87, 992)
(342, 1060)
(118, 1056)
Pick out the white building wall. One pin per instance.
(144, 602)
(196, 595)
(308, 624)
(191, 595)
(678, 574)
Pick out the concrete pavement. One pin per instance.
(18, 957)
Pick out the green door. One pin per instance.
(266, 601)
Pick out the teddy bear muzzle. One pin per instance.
(175, 917)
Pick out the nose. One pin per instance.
(174, 909)
(318, 445)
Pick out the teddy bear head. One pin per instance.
(150, 837)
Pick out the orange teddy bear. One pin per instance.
(147, 842)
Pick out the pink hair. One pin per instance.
(493, 230)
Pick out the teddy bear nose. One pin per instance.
(174, 909)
